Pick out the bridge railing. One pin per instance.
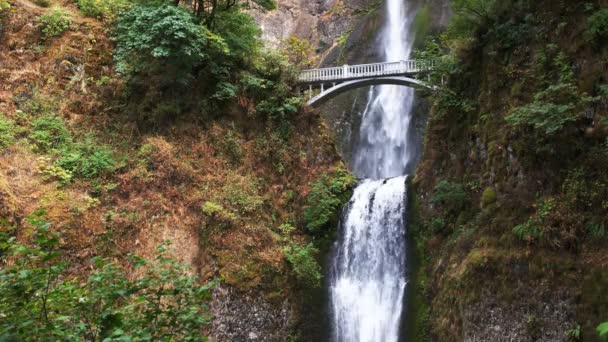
(364, 70)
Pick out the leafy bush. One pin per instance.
(597, 231)
(299, 52)
(558, 104)
(218, 214)
(597, 26)
(87, 159)
(469, 15)
(51, 171)
(326, 198)
(602, 331)
(438, 225)
(4, 7)
(7, 132)
(54, 23)
(305, 266)
(40, 300)
(240, 33)
(49, 133)
(164, 40)
(106, 9)
(574, 334)
(451, 196)
(533, 229)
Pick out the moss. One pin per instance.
(488, 197)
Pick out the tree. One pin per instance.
(166, 40)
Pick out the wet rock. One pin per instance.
(248, 317)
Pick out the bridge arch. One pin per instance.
(341, 88)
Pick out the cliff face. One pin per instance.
(509, 210)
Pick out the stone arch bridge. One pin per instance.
(342, 79)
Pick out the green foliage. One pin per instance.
(87, 159)
(268, 86)
(597, 231)
(40, 300)
(4, 7)
(106, 9)
(54, 23)
(438, 225)
(220, 216)
(532, 230)
(597, 26)
(7, 132)
(305, 266)
(557, 104)
(51, 171)
(299, 52)
(163, 40)
(286, 229)
(602, 331)
(240, 33)
(49, 133)
(574, 334)
(469, 15)
(243, 197)
(451, 196)
(327, 196)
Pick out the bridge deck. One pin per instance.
(353, 72)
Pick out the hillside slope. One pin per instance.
(228, 189)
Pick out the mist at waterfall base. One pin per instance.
(368, 272)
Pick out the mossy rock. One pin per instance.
(488, 197)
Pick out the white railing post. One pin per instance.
(345, 71)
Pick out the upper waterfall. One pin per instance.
(383, 151)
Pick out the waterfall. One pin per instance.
(368, 274)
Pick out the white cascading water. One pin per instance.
(368, 276)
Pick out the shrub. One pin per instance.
(597, 26)
(87, 159)
(299, 52)
(286, 229)
(51, 171)
(164, 40)
(602, 331)
(54, 23)
(40, 300)
(106, 9)
(597, 231)
(302, 259)
(574, 334)
(451, 196)
(7, 132)
(327, 196)
(469, 16)
(558, 104)
(218, 214)
(49, 133)
(4, 7)
(438, 225)
(533, 229)
(240, 33)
